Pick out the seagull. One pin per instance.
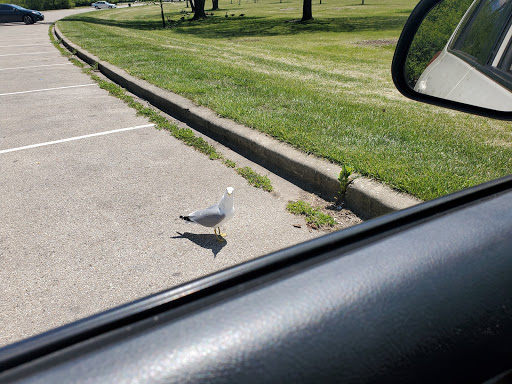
(215, 215)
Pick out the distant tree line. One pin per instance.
(43, 5)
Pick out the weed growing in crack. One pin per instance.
(313, 216)
(344, 179)
(229, 163)
(255, 179)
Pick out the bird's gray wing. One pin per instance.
(209, 217)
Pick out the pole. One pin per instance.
(162, 9)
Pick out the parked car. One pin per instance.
(103, 4)
(422, 295)
(12, 13)
(470, 60)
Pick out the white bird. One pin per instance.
(215, 215)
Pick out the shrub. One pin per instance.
(433, 34)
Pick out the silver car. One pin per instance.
(103, 4)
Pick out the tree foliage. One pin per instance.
(487, 24)
(43, 5)
(433, 34)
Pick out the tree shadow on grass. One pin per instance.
(143, 25)
(254, 27)
(230, 27)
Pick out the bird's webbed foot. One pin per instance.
(220, 236)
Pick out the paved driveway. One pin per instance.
(91, 195)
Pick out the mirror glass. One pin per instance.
(463, 52)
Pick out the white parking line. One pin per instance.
(34, 66)
(46, 89)
(26, 53)
(29, 39)
(22, 45)
(75, 138)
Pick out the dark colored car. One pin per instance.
(11, 13)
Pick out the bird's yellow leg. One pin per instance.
(220, 236)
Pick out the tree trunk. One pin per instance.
(162, 10)
(199, 10)
(215, 5)
(307, 12)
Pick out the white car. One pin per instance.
(472, 69)
(103, 4)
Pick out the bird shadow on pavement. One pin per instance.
(204, 241)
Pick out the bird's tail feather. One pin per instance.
(186, 218)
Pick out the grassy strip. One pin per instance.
(186, 135)
(322, 86)
(255, 179)
(314, 217)
(64, 52)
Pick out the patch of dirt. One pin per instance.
(344, 218)
(378, 42)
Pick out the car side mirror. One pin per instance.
(458, 54)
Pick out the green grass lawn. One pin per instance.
(323, 86)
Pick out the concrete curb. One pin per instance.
(365, 197)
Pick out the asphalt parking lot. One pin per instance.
(91, 195)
